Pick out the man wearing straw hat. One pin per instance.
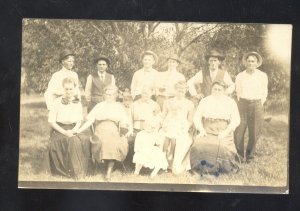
(207, 76)
(145, 76)
(252, 91)
(97, 81)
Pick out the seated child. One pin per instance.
(148, 153)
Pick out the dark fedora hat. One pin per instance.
(174, 57)
(257, 55)
(149, 53)
(215, 53)
(65, 53)
(102, 57)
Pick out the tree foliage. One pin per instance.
(123, 42)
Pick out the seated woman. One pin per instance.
(177, 118)
(68, 154)
(107, 143)
(216, 118)
(147, 152)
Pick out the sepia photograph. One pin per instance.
(155, 106)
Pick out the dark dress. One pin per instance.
(210, 154)
(68, 156)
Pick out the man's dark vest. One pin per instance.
(207, 82)
(98, 86)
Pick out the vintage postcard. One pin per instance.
(155, 106)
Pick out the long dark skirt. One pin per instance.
(107, 143)
(69, 156)
(211, 155)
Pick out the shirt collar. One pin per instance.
(148, 71)
(254, 72)
(64, 69)
(213, 72)
(101, 74)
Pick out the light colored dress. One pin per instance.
(175, 126)
(165, 85)
(167, 80)
(176, 123)
(147, 153)
(108, 144)
(142, 110)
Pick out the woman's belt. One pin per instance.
(66, 126)
(214, 126)
(215, 120)
(104, 120)
(62, 124)
(250, 100)
(97, 99)
(165, 95)
(138, 124)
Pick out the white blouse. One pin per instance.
(55, 87)
(143, 110)
(114, 111)
(70, 113)
(213, 107)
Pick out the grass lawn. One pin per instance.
(269, 168)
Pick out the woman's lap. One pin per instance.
(69, 156)
(110, 146)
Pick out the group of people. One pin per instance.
(163, 123)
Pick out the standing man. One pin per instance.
(208, 75)
(97, 81)
(252, 91)
(55, 87)
(146, 76)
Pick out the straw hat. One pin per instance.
(257, 55)
(149, 53)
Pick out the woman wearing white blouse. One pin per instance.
(107, 143)
(68, 154)
(216, 118)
